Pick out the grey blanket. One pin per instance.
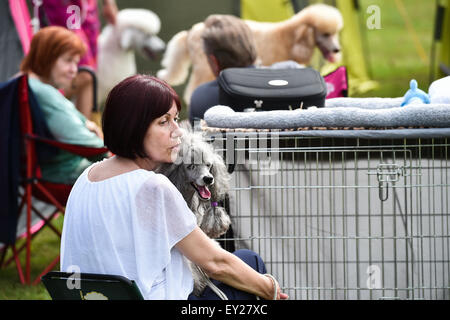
(356, 113)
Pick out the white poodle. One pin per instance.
(135, 31)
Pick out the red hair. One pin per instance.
(47, 45)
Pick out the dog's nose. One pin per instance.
(336, 50)
(208, 180)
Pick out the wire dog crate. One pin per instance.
(343, 218)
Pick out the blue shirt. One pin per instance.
(203, 98)
(67, 125)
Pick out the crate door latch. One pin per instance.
(387, 173)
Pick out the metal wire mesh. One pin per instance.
(343, 218)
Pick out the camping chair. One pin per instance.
(29, 141)
(88, 286)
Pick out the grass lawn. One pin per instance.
(394, 61)
(44, 248)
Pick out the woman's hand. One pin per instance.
(280, 295)
(92, 126)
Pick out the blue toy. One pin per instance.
(414, 95)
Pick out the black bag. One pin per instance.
(271, 89)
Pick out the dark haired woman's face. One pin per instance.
(162, 140)
(64, 70)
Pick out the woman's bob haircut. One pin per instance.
(131, 106)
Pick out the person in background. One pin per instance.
(227, 43)
(51, 65)
(87, 27)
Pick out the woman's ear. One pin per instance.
(126, 39)
(214, 64)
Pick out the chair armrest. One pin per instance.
(94, 83)
(76, 149)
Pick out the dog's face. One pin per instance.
(328, 44)
(148, 45)
(200, 178)
(198, 161)
(198, 171)
(319, 28)
(138, 29)
(327, 22)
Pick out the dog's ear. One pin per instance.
(176, 174)
(221, 178)
(304, 43)
(165, 168)
(186, 125)
(171, 171)
(304, 35)
(126, 39)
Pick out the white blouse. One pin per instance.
(128, 225)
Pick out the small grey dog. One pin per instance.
(200, 174)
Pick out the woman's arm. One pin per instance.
(110, 11)
(225, 267)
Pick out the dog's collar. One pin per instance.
(214, 204)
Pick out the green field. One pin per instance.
(393, 58)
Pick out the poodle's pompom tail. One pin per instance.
(176, 61)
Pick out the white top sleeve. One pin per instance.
(163, 215)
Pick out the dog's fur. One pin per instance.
(198, 167)
(135, 31)
(293, 39)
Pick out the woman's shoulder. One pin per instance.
(47, 95)
(38, 86)
(157, 182)
(141, 178)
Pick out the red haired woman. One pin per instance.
(51, 65)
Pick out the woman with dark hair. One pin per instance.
(122, 218)
(51, 65)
